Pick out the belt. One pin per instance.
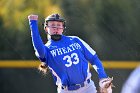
(76, 86)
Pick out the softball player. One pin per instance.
(67, 57)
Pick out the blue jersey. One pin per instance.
(67, 58)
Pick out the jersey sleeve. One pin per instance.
(38, 45)
(92, 57)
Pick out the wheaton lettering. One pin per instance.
(64, 50)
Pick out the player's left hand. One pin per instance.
(106, 85)
(43, 68)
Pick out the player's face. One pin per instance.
(55, 27)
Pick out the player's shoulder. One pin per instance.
(74, 37)
(48, 43)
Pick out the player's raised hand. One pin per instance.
(33, 17)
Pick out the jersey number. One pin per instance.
(69, 59)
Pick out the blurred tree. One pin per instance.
(119, 30)
(111, 27)
(15, 34)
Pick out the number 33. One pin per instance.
(69, 59)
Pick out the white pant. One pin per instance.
(89, 88)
